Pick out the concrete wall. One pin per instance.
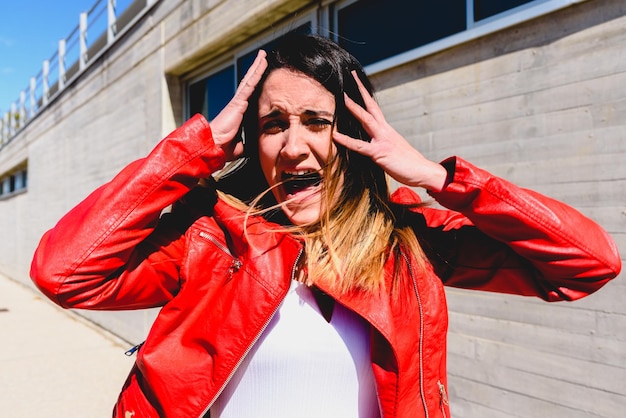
(542, 104)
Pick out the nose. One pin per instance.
(295, 146)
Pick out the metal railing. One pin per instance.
(97, 30)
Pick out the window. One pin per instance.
(373, 30)
(487, 8)
(21, 178)
(14, 181)
(383, 34)
(209, 95)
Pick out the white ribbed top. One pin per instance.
(304, 367)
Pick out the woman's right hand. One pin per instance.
(225, 126)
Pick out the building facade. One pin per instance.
(534, 91)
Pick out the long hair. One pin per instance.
(357, 230)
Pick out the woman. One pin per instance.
(323, 295)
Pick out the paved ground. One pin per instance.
(53, 363)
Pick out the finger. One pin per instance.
(361, 114)
(233, 150)
(252, 76)
(257, 67)
(352, 144)
(370, 103)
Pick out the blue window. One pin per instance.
(373, 30)
(487, 8)
(209, 95)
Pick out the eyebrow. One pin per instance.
(276, 112)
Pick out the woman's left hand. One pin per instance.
(388, 148)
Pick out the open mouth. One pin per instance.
(299, 181)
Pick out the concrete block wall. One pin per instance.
(542, 104)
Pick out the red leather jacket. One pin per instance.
(219, 287)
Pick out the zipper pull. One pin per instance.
(443, 398)
(133, 350)
(442, 393)
(234, 267)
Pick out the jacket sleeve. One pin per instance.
(502, 238)
(114, 250)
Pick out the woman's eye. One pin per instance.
(273, 127)
(319, 123)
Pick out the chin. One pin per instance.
(303, 209)
(303, 216)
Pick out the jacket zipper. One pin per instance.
(236, 263)
(421, 342)
(256, 338)
(214, 240)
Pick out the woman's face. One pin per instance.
(296, 115)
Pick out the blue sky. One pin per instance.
(30, 31)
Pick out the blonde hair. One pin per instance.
(354, 238)
(352, 241)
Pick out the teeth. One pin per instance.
(298, 173)
(297, 180)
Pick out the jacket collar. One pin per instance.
(257, 238)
